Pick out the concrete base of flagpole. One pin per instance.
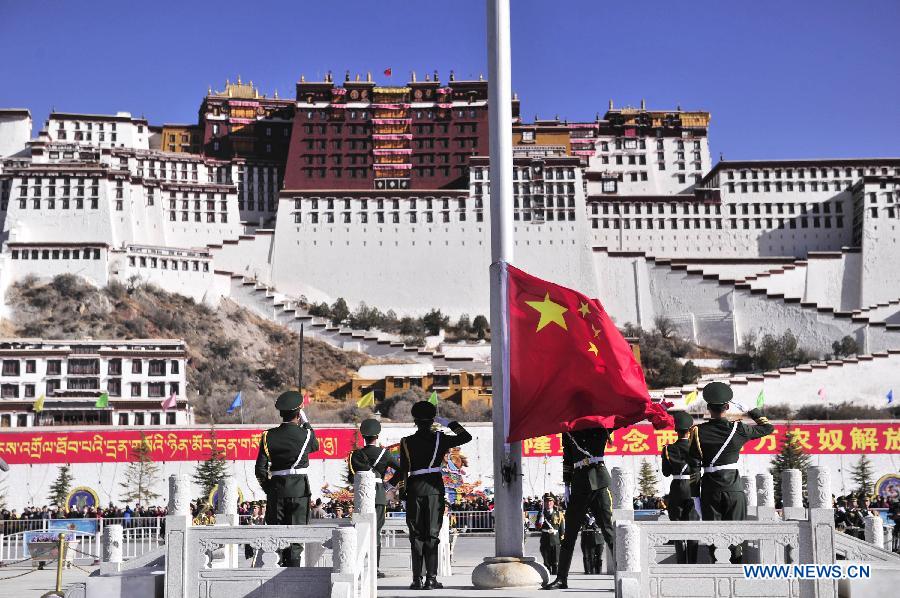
(509, 572)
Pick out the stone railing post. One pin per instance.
(628, 560)
(765, 497)
(875, 530)
(820, 519)
(227, 514)
(112, 539)
(178, 531)
(749, 484)
(623, 494)
(343, 545)
(364, 490)
(792, 494)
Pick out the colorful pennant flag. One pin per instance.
(690, 398)
(237, 403)
(760, 399)
(890, 396)
(170, 403)
(388, 72)
(102, 401)
(39, 404)
(305, 399)
(821, 393)
(367, 400)
(433, 399)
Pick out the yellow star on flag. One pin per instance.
(584, 310)
(550, 312)
(592, 348)
(596, 331)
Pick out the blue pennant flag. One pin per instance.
(236, 403)
(890, 396)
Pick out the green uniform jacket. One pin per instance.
(280, 448)
(707, 438)
(416, 452)
(364, 459)
(675, 461)
(575, 444)
(547, 522)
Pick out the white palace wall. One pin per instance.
(833, 280)
(30, 485)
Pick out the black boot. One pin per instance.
(562, 572)
(432, 584)
(416, 584)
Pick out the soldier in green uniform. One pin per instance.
(377, 459)
(552, 525)
(587, 489)
(421, 456)
(591, 546)
(281, 468)
(685, 484)
(716, 446)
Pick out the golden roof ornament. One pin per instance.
(302, 78)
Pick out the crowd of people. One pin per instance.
(851, 510)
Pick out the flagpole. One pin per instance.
(508, 567)
(300, 369)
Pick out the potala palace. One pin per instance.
(380, 194)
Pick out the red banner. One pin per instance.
(169, 445)
(105, 446)
(816, 439)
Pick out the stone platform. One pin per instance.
(469, 552)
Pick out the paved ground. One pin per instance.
(34, 583)
(469, 552)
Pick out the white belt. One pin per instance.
(549, 531)
(301, 471)
(424, 471)
(681, 477)
(720, 468)
(588, 461)
(379, 480)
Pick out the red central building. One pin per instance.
(365, 136)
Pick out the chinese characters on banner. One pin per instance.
(335, 443)
(816, 439)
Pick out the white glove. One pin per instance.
(442, 421)
(566, 493)
(303, 416)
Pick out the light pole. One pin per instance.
(508, 568)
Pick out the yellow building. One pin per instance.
(180, 139)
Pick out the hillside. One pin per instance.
(229, 348)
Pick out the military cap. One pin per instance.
(683, 421)
(370, 427)
(549, 496)
(288, 401)
(424, 410)
(717, 393)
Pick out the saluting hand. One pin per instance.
(442, 421)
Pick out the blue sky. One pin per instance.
(782, 79)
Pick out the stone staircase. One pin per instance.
(268, 303)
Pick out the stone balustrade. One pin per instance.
(645, 566)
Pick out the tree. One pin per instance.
(863, 475)
(845, 347)
(647, 479)
(664, 326)
(791, 456)
(480, 326)
(60, 489)
(141, 475)
(213, 469)
(689, 373)
(463, 325)
(434, 321)
(339, 311)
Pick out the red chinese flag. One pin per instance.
(569, 366)
(388, 72)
